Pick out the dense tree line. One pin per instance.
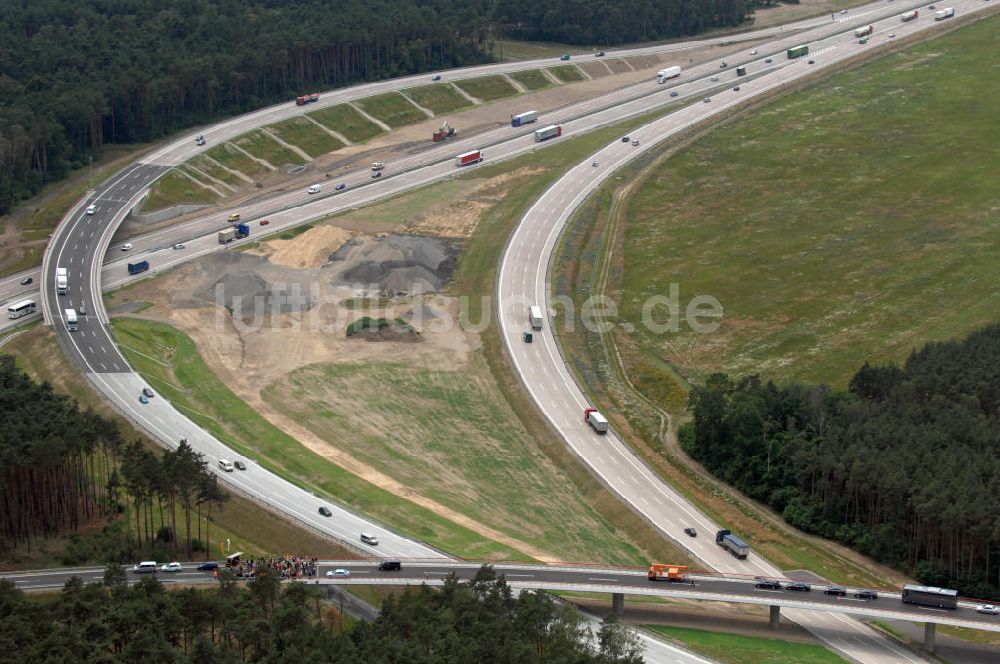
(265, 621)
(904, 466)
(62, 467)
(608, 23)
(77, 74)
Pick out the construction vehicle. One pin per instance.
(443, 132)
(662, 572)
(596, 421)
(732, 544)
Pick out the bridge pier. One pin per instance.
(775, 617)
(618, 604)
(930, 629)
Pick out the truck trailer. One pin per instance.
(665, 75)
(741, 71)
(535, 317)
(798, 51)
(545, 133)
(909, 16)
(942, 14)
(466, 158)
(732, 544)
(864, 32)
(596, 421)
(62, 280)
(136, 268)
(662, 572)
(523, 118)
(71, 320)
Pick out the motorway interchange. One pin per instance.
(81, 241)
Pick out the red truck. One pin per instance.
(305, 99)
(467, 158)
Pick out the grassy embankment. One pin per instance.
(347, 122)
(532, 79)
(249, 527)
(391, 108)
(740, 649)
(567, 73)
(439, 98)
(306, 136)
(487, 88)
(835, 225)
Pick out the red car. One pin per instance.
(264, 222)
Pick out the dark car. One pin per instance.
(736, 89)
(723, 65)
(673, 93)
(26, 281)
(325, 511)
(239, 465)
(768, 61)
(265, 222)
(799, 586)
(209, 565)
(690, 532)
(600, 54)
(836, 590)
(625, 139)
(812, 62)
(390, 566)
(437, 78)
(148, 392)
(866, 594)
(340, 187)
(528, 337)
(767, 584)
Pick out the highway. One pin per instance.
(81, 240)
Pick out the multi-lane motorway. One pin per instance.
(81, 241)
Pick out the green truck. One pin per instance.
(797, 51)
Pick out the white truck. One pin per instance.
(665, 75)
(596, 421)
(909, 16)
(377, 166)
(535, 316)
(864, 32)
(942, 14)
(545, 133)
(62, 280)
(71, 319)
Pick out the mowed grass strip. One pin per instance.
(170, 362)
(391, 108)
(438, 98)
(264, 147)
(210, 168)
(567, 73)
(488, 88)
(451, 436)
(532, 79)
(347, 122)
(850, 222)
(306, 136)
(740, 649)
(227, 155)
(174, 189)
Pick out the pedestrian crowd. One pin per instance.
(291, 567)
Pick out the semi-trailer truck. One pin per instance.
(864, 32)
(523, 118)
(909, 16)
(662, 572)
(596, 421)
(545, 133)
(62, 280)
(234, 233)
(535, 317)
(665, 75)
(71, 320)
(942, 14)
(467, 158)
(732, 544)
(136, 268)
(798, 51)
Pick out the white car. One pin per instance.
(338, 573)
(988, 609)
(369, 539)
(91, 209)
(596, 162)
(753, 52)
(313, 189)
(171, 567)
(127, 246)
(715, 78)
(179, 245)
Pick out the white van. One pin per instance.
(145, 567)
(227, 466)
(369, 539)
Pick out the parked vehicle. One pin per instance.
(145, 567)
(338, 573)
(208, 565)
(171, 567)
(635, 143)
(436, 77)
(596, 421)
(443, 132)
(732, 544)
(662, 572)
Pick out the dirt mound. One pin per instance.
(404, 263)
(311, 249)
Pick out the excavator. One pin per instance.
(443, 132)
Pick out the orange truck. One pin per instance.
(661, 572)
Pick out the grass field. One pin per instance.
(567, 73)
(391, 108)
(173, 189)
(171, 364)
(347, 122)
(306, 136)
(230, 157)
(488, 88)
(264, 147)
(532, 79)
(739, 649)
(211, 169)
(852, 222)
(441, 98)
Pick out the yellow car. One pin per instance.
(235, 216)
